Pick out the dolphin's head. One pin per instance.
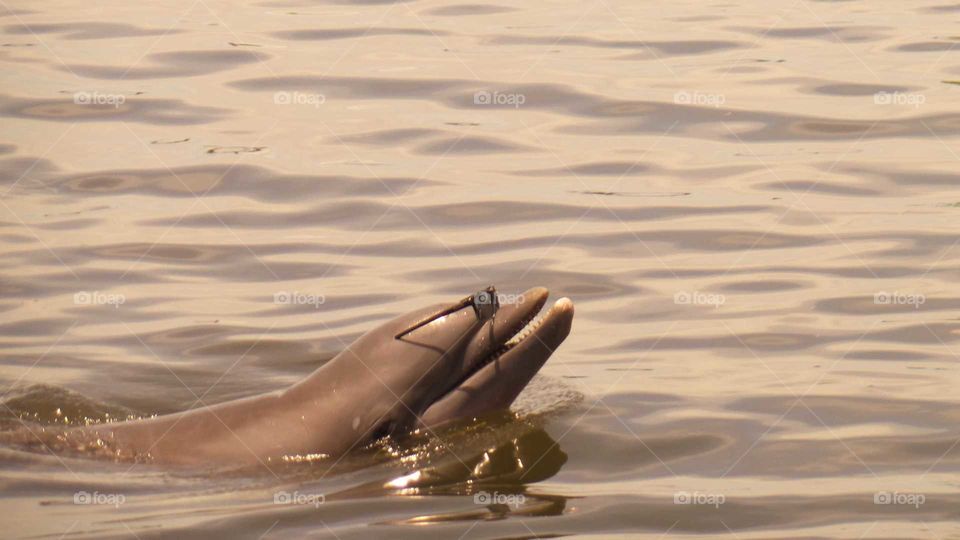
(460, 365)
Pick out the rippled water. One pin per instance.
(754, 206)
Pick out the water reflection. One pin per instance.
(498, 479)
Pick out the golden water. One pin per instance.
(754, 206)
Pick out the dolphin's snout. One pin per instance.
(519, 348)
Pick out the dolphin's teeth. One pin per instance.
(526, 328)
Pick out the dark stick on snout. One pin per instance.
(485, 305)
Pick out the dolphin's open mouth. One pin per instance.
(524, 330)
(504, 356)
(518, 325)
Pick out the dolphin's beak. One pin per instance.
(504, 357)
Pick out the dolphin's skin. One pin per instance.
(454, 368)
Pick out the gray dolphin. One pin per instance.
(461, 365)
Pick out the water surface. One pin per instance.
(753, 205)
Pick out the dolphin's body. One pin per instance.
(458, 366)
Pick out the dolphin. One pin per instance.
(389, 382)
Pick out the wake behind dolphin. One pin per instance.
(420, 370)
